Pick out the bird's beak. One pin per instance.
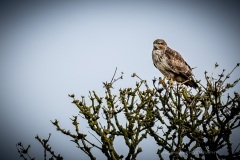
(155, 45)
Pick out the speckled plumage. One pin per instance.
(171, 64)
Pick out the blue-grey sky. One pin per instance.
(51, 49)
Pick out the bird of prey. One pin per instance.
(171, 64)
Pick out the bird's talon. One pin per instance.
(161, 81)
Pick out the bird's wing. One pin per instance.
(177, 63)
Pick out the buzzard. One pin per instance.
(171, 64)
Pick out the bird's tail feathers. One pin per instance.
(191, 83)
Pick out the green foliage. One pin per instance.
(185, 123)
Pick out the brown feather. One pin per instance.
(171, 63)
(177, 63)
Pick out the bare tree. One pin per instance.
(198, 125)
(185, 123)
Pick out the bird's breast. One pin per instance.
(160, 61)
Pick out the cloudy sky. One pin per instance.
(48, 50)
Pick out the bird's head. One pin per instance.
(159, 44)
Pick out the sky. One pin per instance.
(51, 49)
